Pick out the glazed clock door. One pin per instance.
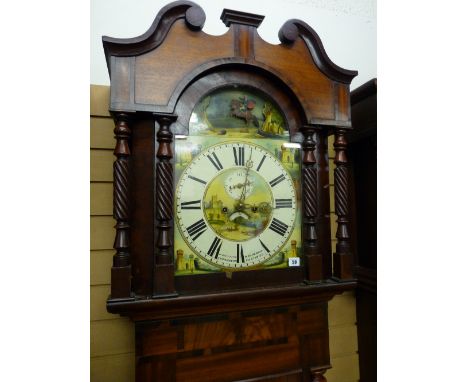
(237, 194)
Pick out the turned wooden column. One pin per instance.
(312, 256)
(342, 258)
(121, 272)
(163, 280)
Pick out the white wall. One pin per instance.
(347, 27)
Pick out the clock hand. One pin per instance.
(248, 166)
(239, 185)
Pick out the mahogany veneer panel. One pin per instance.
(342, 112)
(122, 87)
(209, 334)
(230, 366)
(316, 91)
(274, 344)
(155, 71)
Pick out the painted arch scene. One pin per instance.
(238, 112)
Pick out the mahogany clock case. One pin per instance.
(157, 79)
(147, 117)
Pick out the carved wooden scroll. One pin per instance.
(313, 258)
(342, 259)
(163, 283)
(121, 269)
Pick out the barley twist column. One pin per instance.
(312, 255)
(163, 282)
(121, 268)
(342, 258)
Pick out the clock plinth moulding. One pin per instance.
(199, 322)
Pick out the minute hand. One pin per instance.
(248, 166)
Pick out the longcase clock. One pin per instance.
(221, 199)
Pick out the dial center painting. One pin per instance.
(238, 203)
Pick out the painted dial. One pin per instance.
(235, 205)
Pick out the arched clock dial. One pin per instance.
(235, 205)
